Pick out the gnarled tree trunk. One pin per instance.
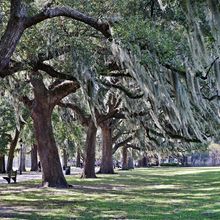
(107, 161)
(52, 174)
(89, 163)
(34, 164)
(41, 110)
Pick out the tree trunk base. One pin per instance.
(83, 176)
(125, 168)
(106, 172)
(56, 185)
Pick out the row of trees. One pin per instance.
(127, 68)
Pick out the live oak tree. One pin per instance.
(41, 107)
(91, 122)
(10, 132)
(179, 81)
(104, 108)
(178, 98)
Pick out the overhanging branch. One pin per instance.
(121, 144)
(52, 72)
(123, 89)
(102, 27)
(84, 119)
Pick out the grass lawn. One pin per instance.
(151, 193)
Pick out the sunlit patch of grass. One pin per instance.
(151, 193)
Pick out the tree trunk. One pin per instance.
(12, 35)
(78, 162)
(2, 164)
(107, 161)
(52, 173)
(65, 158)
(34, 164)
(140, 163)
(185, 161)
(22, 158)
(124, 158)
(144, 161)
(158, 157)
(130, 163)
(12, 150)
(89, 163)
(41, 110)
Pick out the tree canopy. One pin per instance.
(150, 66)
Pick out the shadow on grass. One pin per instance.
(139, 194)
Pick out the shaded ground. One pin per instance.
(27, 176)
(153, 193)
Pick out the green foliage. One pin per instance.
(7, 124)
(68, 133)
(159, 34)
(149, 38)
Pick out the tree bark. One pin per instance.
(22, 158)
(41, 110)
(158, 158)
(65, 158)
(12, 35)
(89, 163)
(124, 158)
(34, 164)
(107, 161)
(12, 149)
(2, 164)
(130, 163)
(144, 161)
(185, 161)
(78, 162)
(52, 174)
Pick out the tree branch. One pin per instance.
(19, 21)
(84, 119)
(102, 27)
(50, 54)
(174, 69)
(169, 133)
(121, 115)
(217, 96)
(181, 137)
(63, 89)
(209, 69)
(12, 35)
(132, 146)
(27, 102)
(121, 88)
(198, 74)
(120, 144)
(53, 73)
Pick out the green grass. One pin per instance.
(151, 193)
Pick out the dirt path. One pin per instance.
(26, 176)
